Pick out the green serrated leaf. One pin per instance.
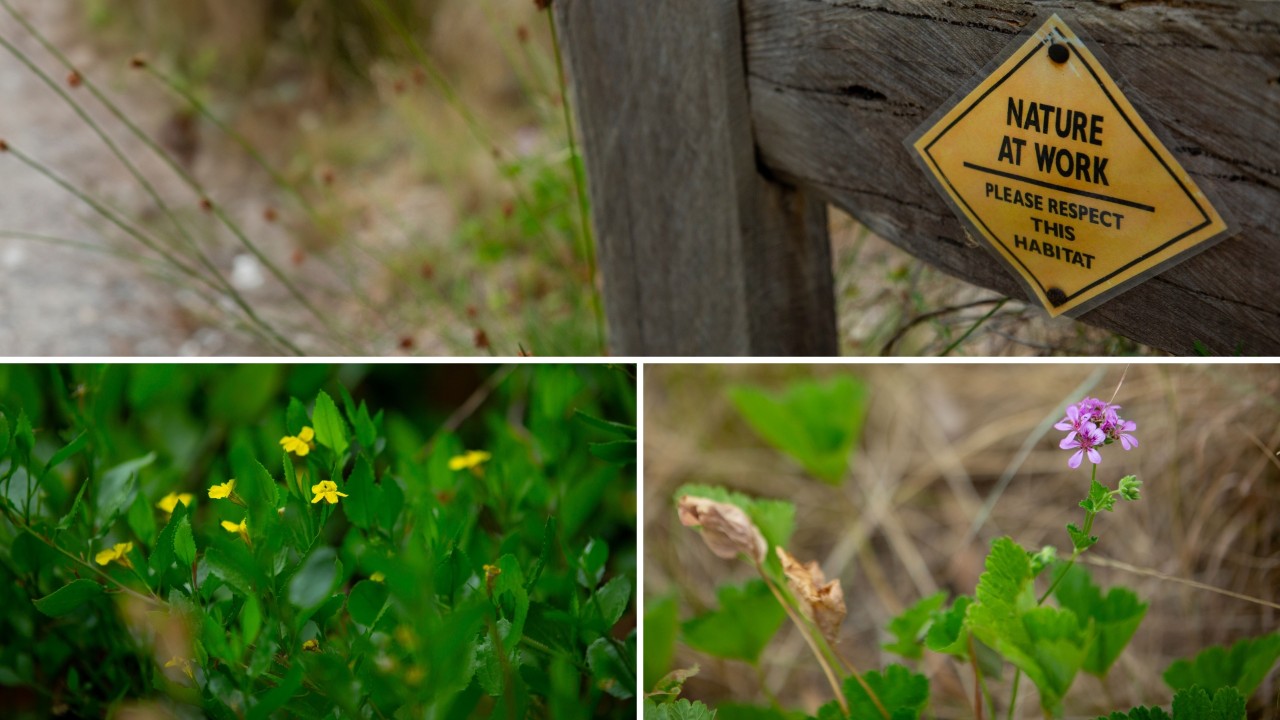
(740, 628)
(774, 518)
(1243, 666)
(68, 598)
(678, 710)
(909, 627)
(1100, 498)
(1047, 644)
(1079, 539)
(1195, 703)
(1139, 713)
(162, 554)
(815, 422)
(1116, 616)
(331, 429)
(946, 632)
(901, 692)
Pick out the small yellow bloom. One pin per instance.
(378, 577)
(242, 528)
(311, 645)
(415, 675)
(469, 459)
(327, 490)
(223, 491)
(183, 663)
(491, 573)
(170, 501)
(299, 444)
(119, 553)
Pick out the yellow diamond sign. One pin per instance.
(1049, 163)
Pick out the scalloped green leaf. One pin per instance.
(816, 422)
(909, 627)
(1243, 666)
(1115, 615)
(740, 628)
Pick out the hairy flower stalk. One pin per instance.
(1090, 424)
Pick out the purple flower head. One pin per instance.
(1085, 442)
(1090, 424)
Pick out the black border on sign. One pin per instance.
(1155, 134)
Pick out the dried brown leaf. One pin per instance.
(821, 601)
(725, 527)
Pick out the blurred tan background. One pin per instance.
(907, 521)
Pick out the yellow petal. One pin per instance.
(230, 526)
(378, 577)
(306, 435)
(104, 557)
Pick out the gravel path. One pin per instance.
(61, 301)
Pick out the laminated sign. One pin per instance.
(1050, 164)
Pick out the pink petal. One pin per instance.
(1095, 457)
(1074, 462)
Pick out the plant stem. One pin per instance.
(813, 646)
(580, 185)
(977, 680)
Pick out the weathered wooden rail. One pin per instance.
(717, 131)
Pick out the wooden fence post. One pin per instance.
(700, 253)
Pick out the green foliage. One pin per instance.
(1243, 666)
(775, 518)
(678, 710)
(901, 692)
(816, 423)
(1192, 703)
(740, 628)
(909, 627)
(424, 592)
(1116, 616)
(1047, 644)
(661, 627)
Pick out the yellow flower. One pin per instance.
(327, 490)
(491, 573)
(378, 577)
(220, 492)
(299, 444)
(119, 553)
(183, 663)
(170, 501)
(311, 645)
(242, 528)
(469, 459)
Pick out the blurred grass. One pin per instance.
(426, 185)
(936, 442)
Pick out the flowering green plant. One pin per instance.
(161, 547)
(1031, 609)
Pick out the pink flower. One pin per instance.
(1084, 442)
